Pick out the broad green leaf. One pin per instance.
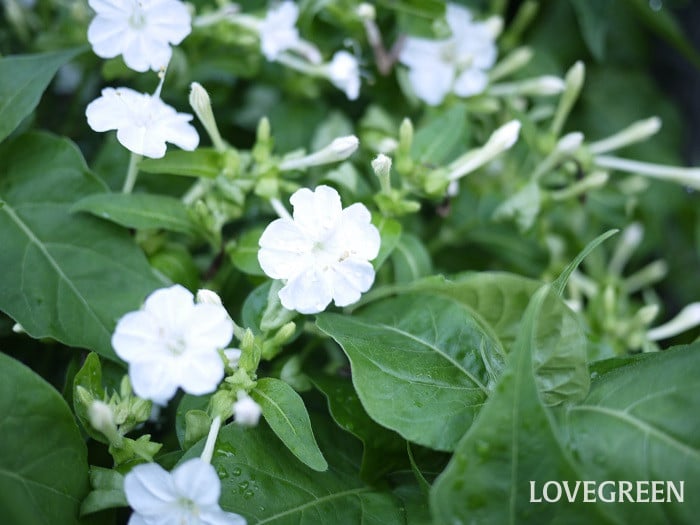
(43, 458)
(639, 423)
(265, 482)
(422, 365)
(254, 307)
(139, 211)
(411, 259)
(286, 414)
(560, 346)
(442, 137)
(64, 276)
(23, 79)
(390, 234)
(203, 162)
(244, 254)
(514, 440)
(384, 450)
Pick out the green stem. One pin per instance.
(131, 173)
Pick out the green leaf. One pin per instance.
(265, 483)
(43, 458)
(390, 233)
(666, 26)
(514, 440)
(384, 450)
(560, 346)
(593, 18)
(411, 259)
(89, 377)
(639, 423)
(442, 137)
(188, 403)
(139, 211)
(64, 276)
(422, 365)
(202, 162)
(244, 254)
(286, 414)
(23, 79)
(254, 307)
(560, 283)
(275, 315)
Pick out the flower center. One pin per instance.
(177, 345)
(191, 509)
(137, 20)
(450, 54)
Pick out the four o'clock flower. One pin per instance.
(457, 64)
(173, 342)
(139, 30)
(344, 73)
(187, 495)
(322, 253)
(144, 123)
(278, 32)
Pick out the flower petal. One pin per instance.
(136, 337)
(432, 83)
(216, 516)
(149, 489)
(307, 293)
(471, 82)
(316, 212)
(170, 21)
(350, 279)
(154, 379)
(197, 480)
(419, 53)
(177, 130)
(356, 233)
(209, 327)
(106, 36)
(200, 373)
(458, 18)
(285, 251)
(111, 110)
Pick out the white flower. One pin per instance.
(344, 73)
(187, 495)
(140, 30)
(144, 123)
(323, 252)
(277, 31)
(233, 356)
(173, 342)
(246, 411)
(457, 64)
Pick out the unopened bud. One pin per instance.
(233, 355)
(201, 104)
(646, 314)
(540, 86)
(205, 296)
(285, 333)
(688, 318)
(343, 147)
(637, 132)
(366, 11)
(570, 143)
(381, 165)
(101, 417)
(494, 25)
(512, 62)
(246, 411)
(338, 150)
(500, 140)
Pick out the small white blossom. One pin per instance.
(246, 411)
(139, 30)
(344, 73)
(277, 30)
(323, 253)
(457, 64)
(233, 356)
(173, 342)
(187, 495)
(208, 297)
(144, 123)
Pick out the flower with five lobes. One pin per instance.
(344, 73)
(457, 64)
(323, 252)
(144, 123)
(139, 30)
(173, 342)
(277, 30)
(187, 495)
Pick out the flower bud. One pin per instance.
(101, 417)
(636, 132)
(201, 104)
(366, 11)
(233, 355)
(688, 318)
(339, 149)
(205, 296)
(246, 411)
(381, 165)
(570, 143)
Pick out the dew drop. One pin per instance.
(236, 471)
(222, 473)
(243, 485)
(248, 494)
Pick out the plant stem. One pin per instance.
(131, 173)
